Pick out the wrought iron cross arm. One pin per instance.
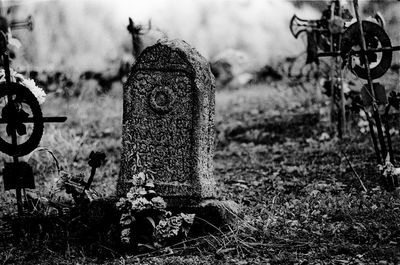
(383, 49)
(27, 23)
(329, 54)
(360, 52)
(32, 119)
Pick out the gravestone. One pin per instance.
(168, 123)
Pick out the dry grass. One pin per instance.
(301, 202)
(271, 99)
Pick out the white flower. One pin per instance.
(29, 83)
(141, 204)
(139, 179)
(37, 91)
(159, 203)
(188, 218)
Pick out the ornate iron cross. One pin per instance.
(19, 107)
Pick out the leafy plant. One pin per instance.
(76, 184)
(144, 219)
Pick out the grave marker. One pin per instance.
(168, 123)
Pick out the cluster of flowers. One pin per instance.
(142, 197)
(172, 225)
(29, 83)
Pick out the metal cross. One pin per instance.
(15, 117)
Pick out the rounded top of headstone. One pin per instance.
(173, 55)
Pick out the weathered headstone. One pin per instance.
(168, 123)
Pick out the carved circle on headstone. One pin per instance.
(162, 99)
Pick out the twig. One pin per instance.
(113, 252)
(8, 256)
(354, 171)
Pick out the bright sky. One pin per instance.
(260, 28)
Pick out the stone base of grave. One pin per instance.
(211, 215)
(101, 212)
